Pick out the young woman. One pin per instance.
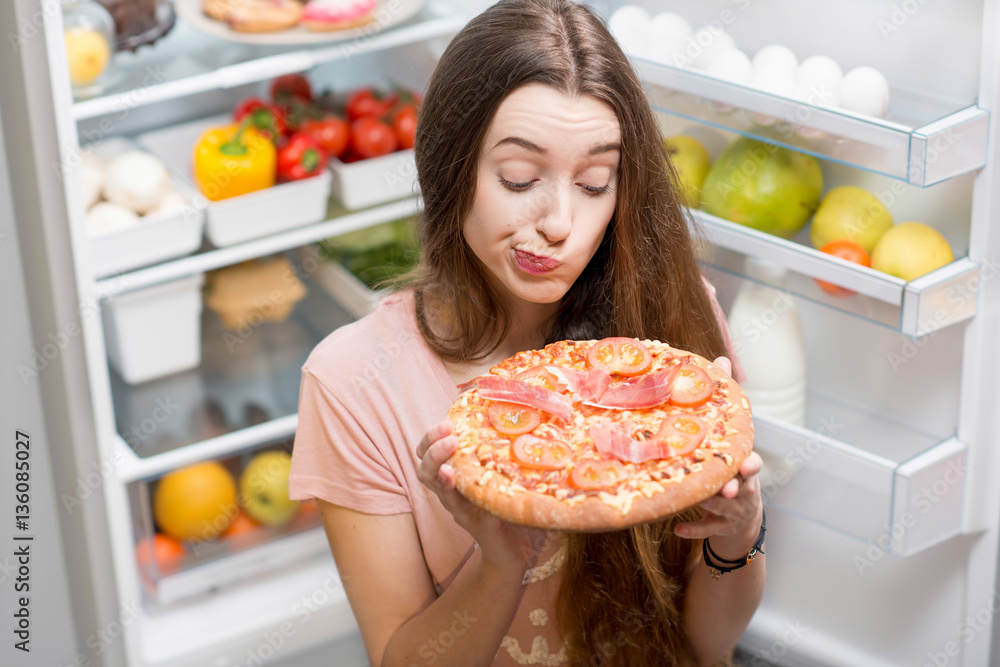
(549, 214)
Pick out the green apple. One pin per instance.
(691, 161)
(852, 214)
(264, 488)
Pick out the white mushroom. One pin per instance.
(137, 181)
(106, 217)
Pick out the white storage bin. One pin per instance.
(155, 331)
(376, 180)
(275, 209)
(156, 238)
(346, 288)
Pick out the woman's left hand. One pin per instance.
(733, 515)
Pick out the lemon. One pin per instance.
(195, 503)
(692, 162)
(851, 214)
(88, 52)
(264, 488)
(911, 249)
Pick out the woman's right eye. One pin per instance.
(516, 187)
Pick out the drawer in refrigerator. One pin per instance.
(880, 481)
(170, 225)
(281, 207)
(210, 524)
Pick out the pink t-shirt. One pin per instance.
(370, 391)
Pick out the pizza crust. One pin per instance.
(599, 511)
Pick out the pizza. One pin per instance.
(598, 435)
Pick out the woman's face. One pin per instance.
(546, 191)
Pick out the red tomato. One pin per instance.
(370, 137)
(366, 102)
(539, 376)
(852, 252)
(165, 551)
(596, 474)
(542, 453)
(624, 356)
(691, 387)
(404, 124)
(291, 86)
(512, 418)
(681, 434)
(331, 133)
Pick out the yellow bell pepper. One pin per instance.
(233, 160)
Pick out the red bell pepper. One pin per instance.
(300, 158)
(265, 117)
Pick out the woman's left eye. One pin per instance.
(591, 190)
(516, 187)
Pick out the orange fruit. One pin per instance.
(195, 503)
(241, 525)
(852, 252)
(165, 551)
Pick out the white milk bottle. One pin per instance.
(767, 334)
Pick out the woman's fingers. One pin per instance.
(725, 364)
(436, 432)
(751, 465)
(430, 463)
(707, 526)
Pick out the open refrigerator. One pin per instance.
(883, 532)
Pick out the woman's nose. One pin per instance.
(556, 219)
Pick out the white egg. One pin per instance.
(630, 26)
(866, 91)
(669, 51)
(105, 217)
(709, 43)
(817, 81)
(775, 56)
(732, 66)
(668, 25)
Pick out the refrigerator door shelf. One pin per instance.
(899, 489)
(921, 141)
(939, 299)
(187, 62)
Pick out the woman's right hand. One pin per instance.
(504, 545)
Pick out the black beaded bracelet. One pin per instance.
(720, 566)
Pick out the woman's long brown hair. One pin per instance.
(620, 597)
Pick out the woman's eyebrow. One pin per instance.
(531, 146)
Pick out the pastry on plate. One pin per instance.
(323, 15)
(255, 15)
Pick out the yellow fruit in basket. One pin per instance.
(264, 488)
(692, 162)
(848, 213)
(88, 52)
(910, 250)
(195, 503)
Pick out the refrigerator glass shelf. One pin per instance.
(921, 140)
(187, 62)
(876, 480)
(338, 221)
(244, 392)
(922, 306)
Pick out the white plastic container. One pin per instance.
(155, 331)
(376, 180)
(157, 237)
(343, 286)
(767, 333)
(253, 215)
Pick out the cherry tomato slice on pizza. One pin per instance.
(624, 356)
(540, 376)
(680, 434)
(513, 418)
(596, 474)
(691, 387)
(543, 453)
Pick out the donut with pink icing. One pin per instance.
(337, 14)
